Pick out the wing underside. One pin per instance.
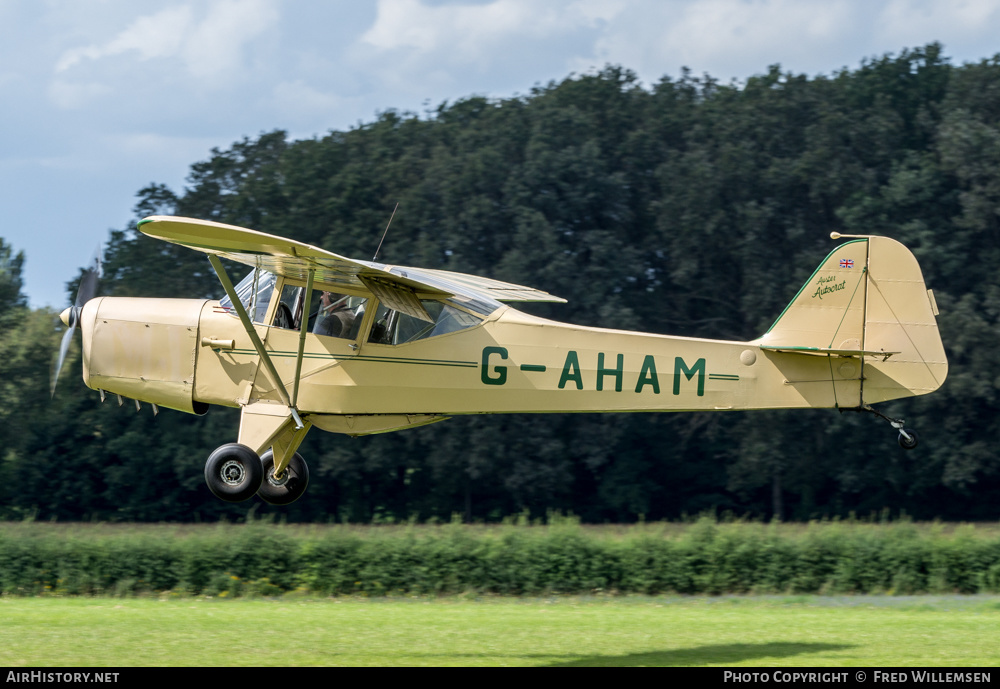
(294, 260)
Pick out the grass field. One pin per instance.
(779, 631)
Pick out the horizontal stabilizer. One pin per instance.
(826, 351)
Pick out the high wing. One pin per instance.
(294, 260)
(501, 291)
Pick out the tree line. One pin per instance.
(687, 207)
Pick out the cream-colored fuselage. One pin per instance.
(185, 354)
(862, 330)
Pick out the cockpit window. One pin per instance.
(330, 314)
(337, 315)
(254, 292)
(395, 328)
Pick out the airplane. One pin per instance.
(313, 339)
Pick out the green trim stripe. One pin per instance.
(362, 357)
(723, 376)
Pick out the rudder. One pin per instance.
(901, 317)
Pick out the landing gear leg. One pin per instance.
(907, 439)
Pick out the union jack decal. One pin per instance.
(846, 263)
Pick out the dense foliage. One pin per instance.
(513, 559)
(689, 207)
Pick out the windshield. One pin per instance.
(254, 292)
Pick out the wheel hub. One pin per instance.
(278, 481)
(233, 472)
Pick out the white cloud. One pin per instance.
(463, 31)
(215, 47)
(454, 33)
(450, 50)
(157, 35)
(209, 42)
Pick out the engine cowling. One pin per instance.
(143, 349)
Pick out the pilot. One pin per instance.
(335, 317)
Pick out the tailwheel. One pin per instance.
(287, 488)
(233, 472)
(907, 439)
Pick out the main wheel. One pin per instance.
(233, 472)
(291, 485)
(908, 444)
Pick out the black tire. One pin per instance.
(292, 485)
(908, 444)
(233, 472)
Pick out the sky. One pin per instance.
(99, 98)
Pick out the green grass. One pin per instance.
(560, 631)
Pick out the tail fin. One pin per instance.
(867, 300)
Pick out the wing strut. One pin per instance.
(303, 329)
(254, 338)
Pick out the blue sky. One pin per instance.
(101, 97)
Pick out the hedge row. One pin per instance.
(563, 558)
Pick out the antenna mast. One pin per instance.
(386, 232)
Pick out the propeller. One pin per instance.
(71, 316)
